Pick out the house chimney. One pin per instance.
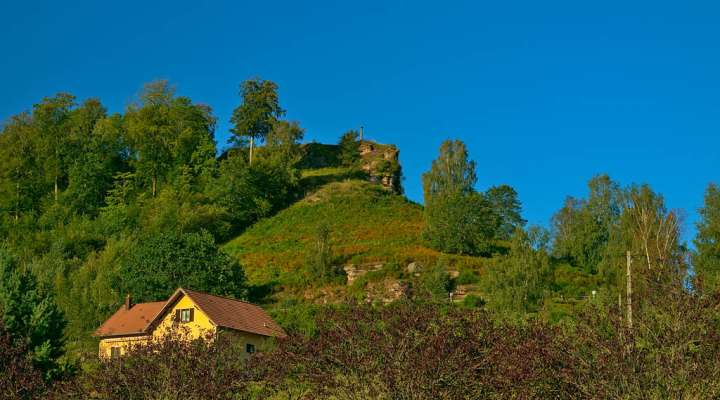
(128, 300)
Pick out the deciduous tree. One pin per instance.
(253, 119)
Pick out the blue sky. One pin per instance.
(545, 94)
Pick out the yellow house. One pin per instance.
(194, 314)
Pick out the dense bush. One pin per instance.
(411, 350)
(19, 378)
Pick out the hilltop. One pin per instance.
(373, 228)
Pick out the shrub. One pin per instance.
(473, 301)
(18, 376)
(467, 277)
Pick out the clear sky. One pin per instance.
(546, 94)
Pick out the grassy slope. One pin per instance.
(367, 224)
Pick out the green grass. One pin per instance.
(367, 224)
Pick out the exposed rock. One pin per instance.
(460, 292)
(353, 272)
(453, 274)
(414, 267)
(396, 290)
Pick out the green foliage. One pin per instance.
(467, 276)
(520, 281)
(254, 118)
(706, 259)
(369, 223)
(163, 262)
(30, 315)
(460, 223)
(250, 192)
(349, 148)
(507, 208)
(583, 229)
(458, 219)
(295, 316)
(167, 132)
(451, 173)
(473, 301)
(89, 294)
(435, 283)
(320, 264)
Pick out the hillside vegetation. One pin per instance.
(96, 206)
(367, 223)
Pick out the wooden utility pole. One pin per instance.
(628, 300)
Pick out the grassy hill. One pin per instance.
(367, 223)
(370, 226)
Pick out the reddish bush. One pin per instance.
(409, 351)
(19, 379)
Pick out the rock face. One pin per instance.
(382, 164)
(414, 267)
(396, 291)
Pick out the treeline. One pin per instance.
(585, 252)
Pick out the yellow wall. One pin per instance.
(243, 338)
(123, 343)
(200, 327)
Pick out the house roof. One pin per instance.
(134, 321)
(222, 311)
(235, 314)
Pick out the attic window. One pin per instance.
(186, 315)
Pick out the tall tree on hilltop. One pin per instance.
(706, 259)
(254, 118)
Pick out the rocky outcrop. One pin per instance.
(382, 164)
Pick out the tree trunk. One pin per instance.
(252, 145)
(56, 188)
(629, 291)
(154, 185)
(17, 201)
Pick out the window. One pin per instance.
(114, 352)
(185, 315)
(250, 348)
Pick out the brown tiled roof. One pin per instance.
(222, 311)
(235, 314)
(130, 322)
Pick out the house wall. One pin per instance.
(124, 343)
(201, 326)
(244, 338)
